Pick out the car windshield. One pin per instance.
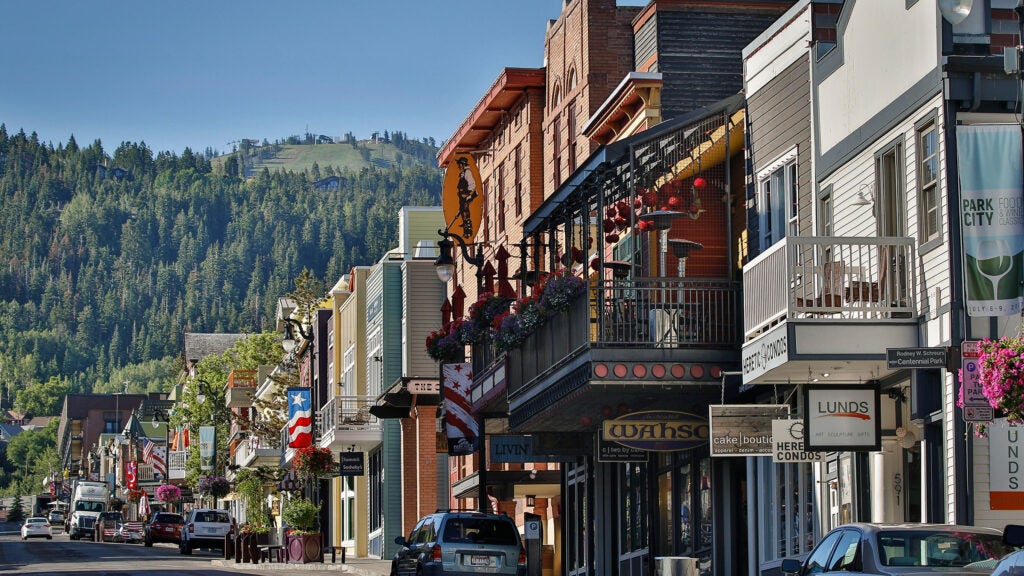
(213, 516)
(111, 516)
(169, 519)
(480, 531)
(86, 506)
(938, 548)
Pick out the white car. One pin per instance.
(36, 527)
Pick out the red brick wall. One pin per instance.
(419, 466)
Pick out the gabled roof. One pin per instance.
(8, 431)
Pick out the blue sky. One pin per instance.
(204, 73)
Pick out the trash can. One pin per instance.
(676, 566)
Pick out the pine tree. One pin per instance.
(17, 511)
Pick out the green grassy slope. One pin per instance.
(299, 157)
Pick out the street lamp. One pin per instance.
(445, 265)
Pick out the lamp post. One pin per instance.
(445, 267)
(289, 343)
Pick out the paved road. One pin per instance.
(65, 557)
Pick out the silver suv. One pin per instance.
(205, 528)
(461, 544)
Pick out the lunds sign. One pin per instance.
(658, 430)
(842, 417)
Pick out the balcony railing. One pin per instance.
(348, 413)
(653, 313)
(830, 277)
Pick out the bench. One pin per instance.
(334, 550)
(267, 552)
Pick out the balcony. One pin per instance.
(345, 422)
(629, 345)
(828, 305)
(241, 388)
(256, 451)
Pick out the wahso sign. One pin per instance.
(658, 430)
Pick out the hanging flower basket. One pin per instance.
(443, 345)
(483, 312)
(313, 462)
(136, 495)
(1001, 374)
(168, 493)
(215, 486)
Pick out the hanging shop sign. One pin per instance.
(788, 443)
(462, 198)
(766, 353)
(842, 417)
(351, 464)
(516, 448)
(657, 430)
(743, 429)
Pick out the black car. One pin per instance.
(163, 527)
(892, 549)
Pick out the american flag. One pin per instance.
(460, 425)
(155, 455)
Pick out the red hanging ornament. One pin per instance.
(611, 238)
(623, 207)
(699, 183)
(651, 199)
(638, 203)
(643, 225)
(673, 201)
(621, 222)
(594, 264)
(610, 212)
(609, 225)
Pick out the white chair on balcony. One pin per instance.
(830, 299)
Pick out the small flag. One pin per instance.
(155, 455)
(300, 418)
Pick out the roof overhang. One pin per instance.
(503, 95)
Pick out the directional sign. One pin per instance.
(898, 358)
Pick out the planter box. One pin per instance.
(304, 548)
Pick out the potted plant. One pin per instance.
(313, 462)
(135, 495)
(213, 486)
(168, 493)
(302, 539)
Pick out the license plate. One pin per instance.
(211, 530)
(479, 560)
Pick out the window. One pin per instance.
(556, 144)
(111, 422)
(778, 200)
(499, 195)
(929, 214)
(577, 520)
(890, 208)
(518, 163)
(348, 374)
(846, 558)
(787, 509)
(486, 216)
(633, 501)
(818, 561)
(572, 136)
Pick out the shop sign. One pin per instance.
(1006, 465)
(842, 417)
(657, 430)
(423, 387)
(766, 353)
(351, 464)
(512, 448)
(613, 452)
(788, 441)
(744, 429)
(462, 200)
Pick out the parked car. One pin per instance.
(205, 528)
(1013, 563)
(460, 542)
(107, 524)
(164, 527)
(36, 527)
(887, 549)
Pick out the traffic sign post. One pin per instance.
(975, 404)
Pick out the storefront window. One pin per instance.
(787, 509)
(666, 525)
(576, 519)
(705, 503)
(633, 504)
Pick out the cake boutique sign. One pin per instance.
(744, 429)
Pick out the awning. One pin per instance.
(509, 484)
(390, 411)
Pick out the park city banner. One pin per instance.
(207, 444)
(992, 217)
(459, 424)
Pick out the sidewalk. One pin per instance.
(355, 566)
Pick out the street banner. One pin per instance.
(300, 418)
(131, 475)
(207, 447)
(1005, 463)
(992, 217)
(459, 423)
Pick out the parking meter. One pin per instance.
(533, 537)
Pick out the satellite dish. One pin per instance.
(955, 11)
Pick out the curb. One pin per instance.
(313, 566)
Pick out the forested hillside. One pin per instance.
(109, 257)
